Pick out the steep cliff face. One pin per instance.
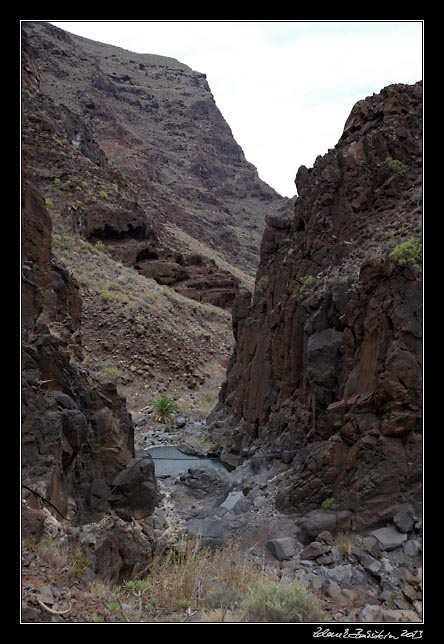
(77, 435)
(110, 233)
(326, 373)
(156, 122)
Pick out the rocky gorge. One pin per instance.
(137, 283)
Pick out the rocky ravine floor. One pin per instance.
(359, 578)
(374, 577)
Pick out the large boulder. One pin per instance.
(135, 489)
(389, 538)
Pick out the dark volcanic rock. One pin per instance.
(327, 363)
(314, 550)
(282, 548)
(203, 482)
(77, 437)
(134, 488)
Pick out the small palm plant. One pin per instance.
(164, 409)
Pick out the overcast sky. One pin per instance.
(285, 88)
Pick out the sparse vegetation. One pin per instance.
(100, 246)
(223, 598)
(114, 287)
(306, 282)
(223, 585)
(133, 591)
(269, 601)
(186, 575)
(111, 374)
(262, 283)
(103, 194)
(63, 242)
(208, 401)
(78, 566)
(106, 295)
(393, 164)
(408, 253)
(115, 187)
(57, 181)
(149, 297)
(53, 552)
(329, 504)
(164, 408)
(85, 281)
(49, 203)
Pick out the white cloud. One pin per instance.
(285, 88)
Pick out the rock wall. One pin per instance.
(77, 435)
(326, 372)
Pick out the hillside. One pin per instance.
(154, 209)
(157, 124)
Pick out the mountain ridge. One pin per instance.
(161, 128)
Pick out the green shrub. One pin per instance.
(164, 408)
(103, 194)
(49, 203)
(223, 597)
(408, 254)
(268, 601)
(100, 246)
(262, 283)
(57, 181)
(114, 287)
(106, 295)
(329, 504)
(149, 297)
(62, 241)
(78, 566)
(111, 374)
(85, 281)
(306, 282)
(393, 164)
(134, 591)
(115, 187)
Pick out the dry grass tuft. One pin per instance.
(344, 544)
(188, 575)
(268, 601)
(53, 552)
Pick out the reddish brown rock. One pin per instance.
(327, 364)
(153, 126)
(74, 434)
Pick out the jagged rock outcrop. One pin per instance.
(326, 372)
(77, 435)
(155, 124)
(193, 276)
